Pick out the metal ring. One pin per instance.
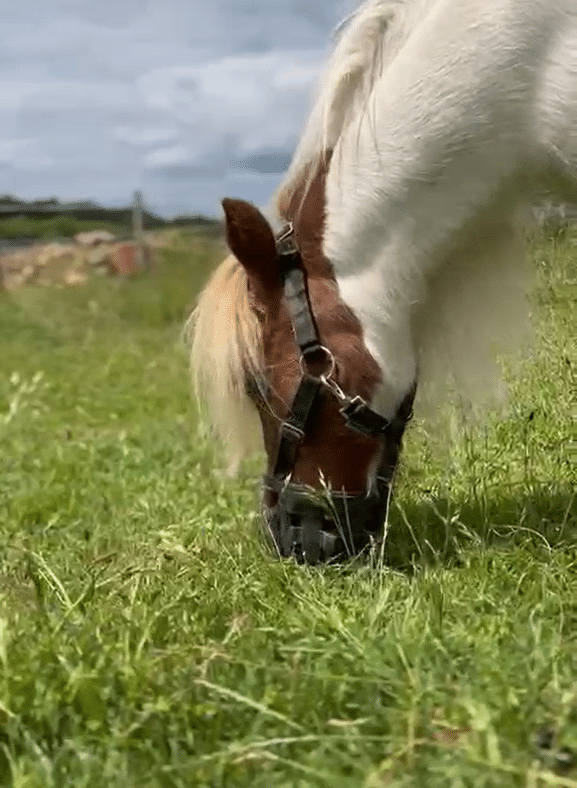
(330, 358)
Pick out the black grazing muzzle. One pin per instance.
(320, 525)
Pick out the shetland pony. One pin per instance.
(436, 123)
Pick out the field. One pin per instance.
(148, 640)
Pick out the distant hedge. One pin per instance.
(48, 227)
(51, 218)
(54, 227)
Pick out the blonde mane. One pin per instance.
(224, 332)
(225, 348)
(363, 41)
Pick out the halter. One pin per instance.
(309, 525)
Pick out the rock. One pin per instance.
(53, 252)
(94, 238)
(73, 277)
(99, 256)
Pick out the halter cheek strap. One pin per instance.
(296, 294)
(293, 428)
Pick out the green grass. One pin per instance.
(148, 640)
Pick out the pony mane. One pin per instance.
(225, 348)
(364, 40)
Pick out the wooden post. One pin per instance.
(138, 231)
(2, 277)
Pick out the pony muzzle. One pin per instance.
(314, 527)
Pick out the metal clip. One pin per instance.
(332, 385)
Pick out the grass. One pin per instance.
(147, 640)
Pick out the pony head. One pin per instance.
(248, 361)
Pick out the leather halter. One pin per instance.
(311, 525)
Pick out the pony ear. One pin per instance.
(251, 240)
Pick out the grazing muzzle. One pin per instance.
(320, 525)
(311, 529)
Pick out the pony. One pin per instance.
(435, 124)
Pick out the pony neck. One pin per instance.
(379, 281)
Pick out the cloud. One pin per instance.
(13, 95)
(13, 150)
(139, 137)
(163, 157)
(24, 155)
(109, 15)
(265, 162)
(238, 104)
(182, 98)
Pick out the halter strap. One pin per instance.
(358, 416)
(296, 523)
(296, 293)
(293, 429)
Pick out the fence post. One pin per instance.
(138, 231)
(2, 276)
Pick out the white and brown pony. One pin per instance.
(436, 123)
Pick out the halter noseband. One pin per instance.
(309, 525)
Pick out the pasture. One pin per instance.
(147, 639)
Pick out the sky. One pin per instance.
(189, 101)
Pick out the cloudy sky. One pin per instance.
(188, 100)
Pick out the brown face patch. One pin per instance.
(343, 457)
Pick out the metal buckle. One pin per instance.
(361, 418)
(353, 406)
(292, 432)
